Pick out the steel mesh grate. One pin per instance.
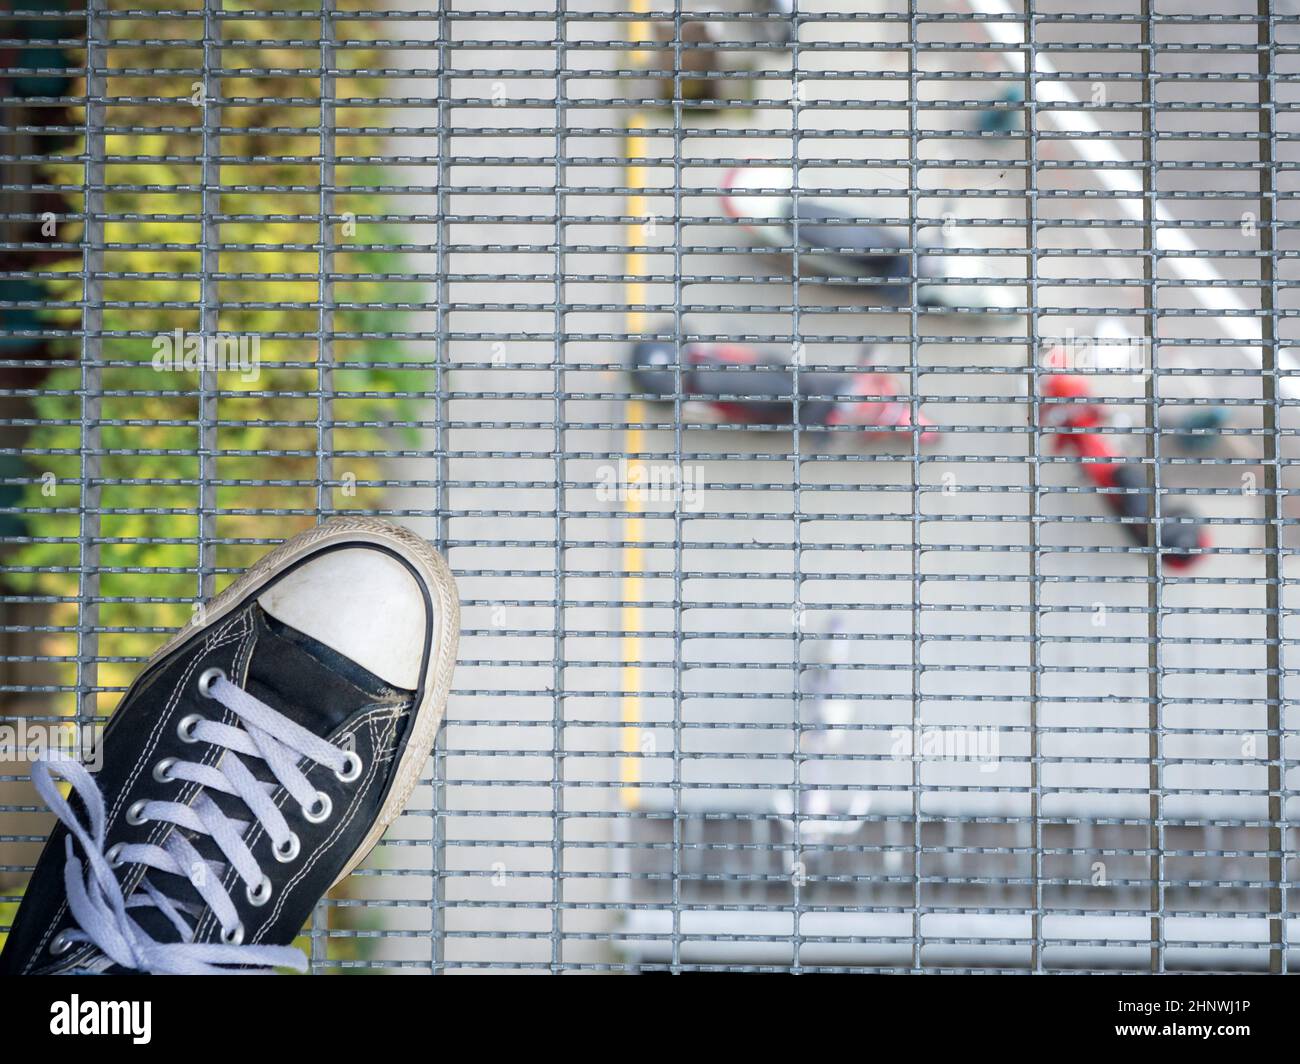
(730, 695)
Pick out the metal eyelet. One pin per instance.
(113, 856)
(234, 936)
(291, 849)
(135, 814)
(207, 678)
(162, 771)
(185, 729)
(351, 767)
(319, 811)
(259, 895)
(61, 943)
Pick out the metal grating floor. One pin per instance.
(807, 700)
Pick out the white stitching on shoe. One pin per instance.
(442, 662)
(101, 908)
(218, 639)
(214, 640)
(335, 833)
(281, 796)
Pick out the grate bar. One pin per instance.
(785, 696)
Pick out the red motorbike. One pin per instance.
(1181, 534)
(741, 385)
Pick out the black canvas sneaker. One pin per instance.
(254, 762)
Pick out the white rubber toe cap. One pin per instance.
(360, 602)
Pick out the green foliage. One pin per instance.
(8, 910)
(267, 427)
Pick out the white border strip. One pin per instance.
(1216, 293)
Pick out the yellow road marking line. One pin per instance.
(633, 558)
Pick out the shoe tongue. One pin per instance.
(179, 891)
(305, 680)
(310, 684)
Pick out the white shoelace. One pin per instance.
(94, 896)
